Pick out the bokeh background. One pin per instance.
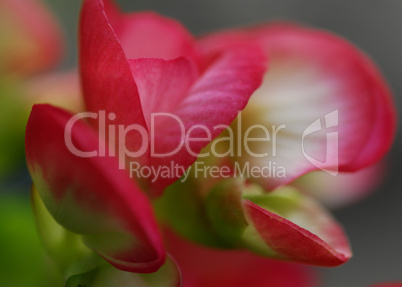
(374, 224)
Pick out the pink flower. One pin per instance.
(140, 64)
(30, 37)
(131, 65)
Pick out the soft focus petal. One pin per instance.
(91, 196)
(332, 103)
(58, 89)
(344, 188)
(202, 266)
(30, 38)
(105, 276)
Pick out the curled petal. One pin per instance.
(90, 195)
(296, 228)
(324, 103)
(31, 39)
(283, 224)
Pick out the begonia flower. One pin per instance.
(74, 166)
(138, 65)
(30, 37)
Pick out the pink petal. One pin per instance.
(314, 76)
(106, 76)
(213, 102)
(91, 196)
(58, 89)
(343, 189)
(202, 266)
(162, 84)
(149, 35)
(302, 231)
(31, 37)
(214, 99)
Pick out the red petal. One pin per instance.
(149, 35)
(213, 102)
(162, 84)
(31, 37)
(202, 266)
(327, 246)
(107, 81)
(91, 196)
(312, 74)
(108, 85)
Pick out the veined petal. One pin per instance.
(162, 84)
(31, 39)
(202, 266)
(88, 194)
(213, 102)
(323, 101)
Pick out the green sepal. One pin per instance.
(225, 212)
(182, 208)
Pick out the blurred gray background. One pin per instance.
(374, 225)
